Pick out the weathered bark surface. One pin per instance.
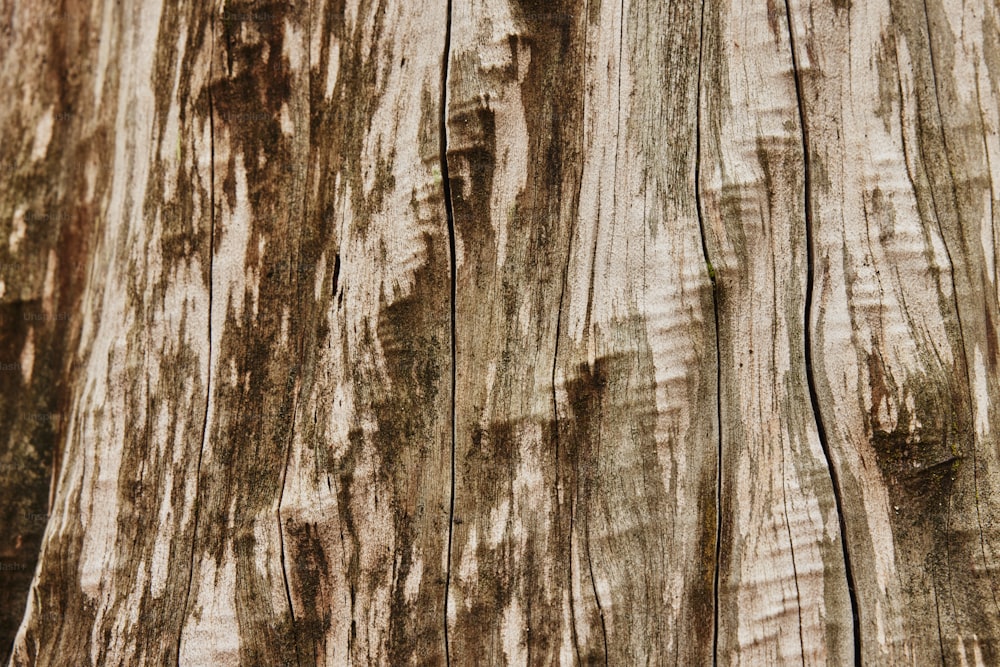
(901, 135)
(783, 589)
(585, 415)
(383, 332)
(48, 159)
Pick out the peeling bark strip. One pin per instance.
(502, 332)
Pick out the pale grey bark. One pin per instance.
(500, 332)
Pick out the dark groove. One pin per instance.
(795, 569)
(593, 587)
(208, 381)
(718, 350)
(590, 301)
(281, 529)
(810, 378)
(555, 438)
(297, 385)
(450, 214)
(555, 407)
(937, 617)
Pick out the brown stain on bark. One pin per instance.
(33, 414)
(493, 432)
(406, 396)
(30, 439)
(947, 177)
(412, 332)
(142, 484)
(252, 425)
(921, 451)
(400, 427)
(621, 509)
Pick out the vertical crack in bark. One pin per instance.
(718, 360)
(593, 585)
(560, 491)
(555, 403)
(588, 315)
(937, 617)
(208, 375)
(281, 532)
(590, 301)
(807, 334)
(453, 269)
(297, 385)
(795, 569)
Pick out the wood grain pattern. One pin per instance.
(234, 247)
(902, 324)
(46, 157)
(121, 532)
(783, 589)
(365, 505)
(585, 474)
(500, 332)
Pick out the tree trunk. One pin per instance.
(500, 332)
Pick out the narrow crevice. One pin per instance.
(718, 350)
(208, 375)
(937, 617)
(281, 540)
(569, 577)
(555, 403)
(297, 381)
(556, 441)
(453, 270)
(807, 335)
(590, 301)
(281, 527)
(597, 599)
(795, 568)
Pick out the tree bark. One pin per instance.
(500, 332)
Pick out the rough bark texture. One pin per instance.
(499, 332)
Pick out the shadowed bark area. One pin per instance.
(499, 332)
